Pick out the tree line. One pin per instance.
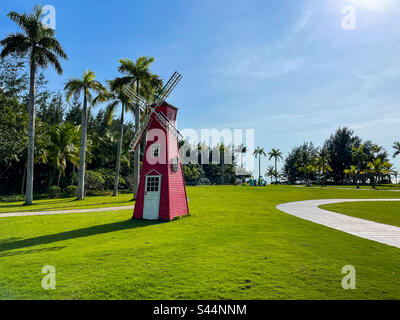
(344, 158)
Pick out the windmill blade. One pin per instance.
(137, 138)
(170, 85)
(167, 125)
(132, 94)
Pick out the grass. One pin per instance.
(68, 204)
(235, 245)
(382, 212)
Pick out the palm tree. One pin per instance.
(118, 97)
(351, 172)
(308, 170)
(277, 155)
(241, 149)
(43, 49)
(258, 153)
(378, 167)
(137, 75)
(75, 87)
(322, 163)
(360, 157)
(396, 147)
(271, 172)
(63, 147)
(395, 173)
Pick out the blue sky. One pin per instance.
(284, 68)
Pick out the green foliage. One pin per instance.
(70, 191)
(94, 181)
(54, 191)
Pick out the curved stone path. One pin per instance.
(44, 213)
(366, 229)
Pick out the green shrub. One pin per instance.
(94, 181)
(204, 182)
(12, 198)
(70, 191)
(53, 191)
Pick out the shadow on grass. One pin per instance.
(17, 253)
(73, 206)
(74, 234)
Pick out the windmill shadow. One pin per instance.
(74, 234)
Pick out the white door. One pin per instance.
(152, 198)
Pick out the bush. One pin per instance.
(53, 191)
(70, 191)
(204, 182)
(94, 181)
(12, 198)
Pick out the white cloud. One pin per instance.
(307, 14)
(373, 5)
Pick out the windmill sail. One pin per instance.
(167, 125)
(140, 134)
(136, 98)
(170, 85)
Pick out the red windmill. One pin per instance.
(161, 193)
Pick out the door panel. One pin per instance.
(152, 198)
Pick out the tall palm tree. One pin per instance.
(277, 155)
(258, 152)
(360, 157)
(63, 147)
(43, 49)
(137, 75)
(118, 97)
(241, 149)
(75, 87)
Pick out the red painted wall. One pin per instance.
(173, 199)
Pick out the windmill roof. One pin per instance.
(165, 103)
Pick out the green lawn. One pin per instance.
(382, 212)
(68, 204)
(235, 245)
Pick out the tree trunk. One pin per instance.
(82, 160)
(136, 156)
(276, 170)
(31, 135)
(259, 170)
(119, 152)
(24, 179)
(59, 178)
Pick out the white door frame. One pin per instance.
(151, 207)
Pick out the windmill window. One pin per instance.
(153, 184)
(155, 150)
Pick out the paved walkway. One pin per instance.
(352, 189)
(366, 229)
(44, 213)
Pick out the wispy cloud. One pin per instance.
(306, 16)
(374, 5)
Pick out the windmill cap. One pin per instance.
(165, 103)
